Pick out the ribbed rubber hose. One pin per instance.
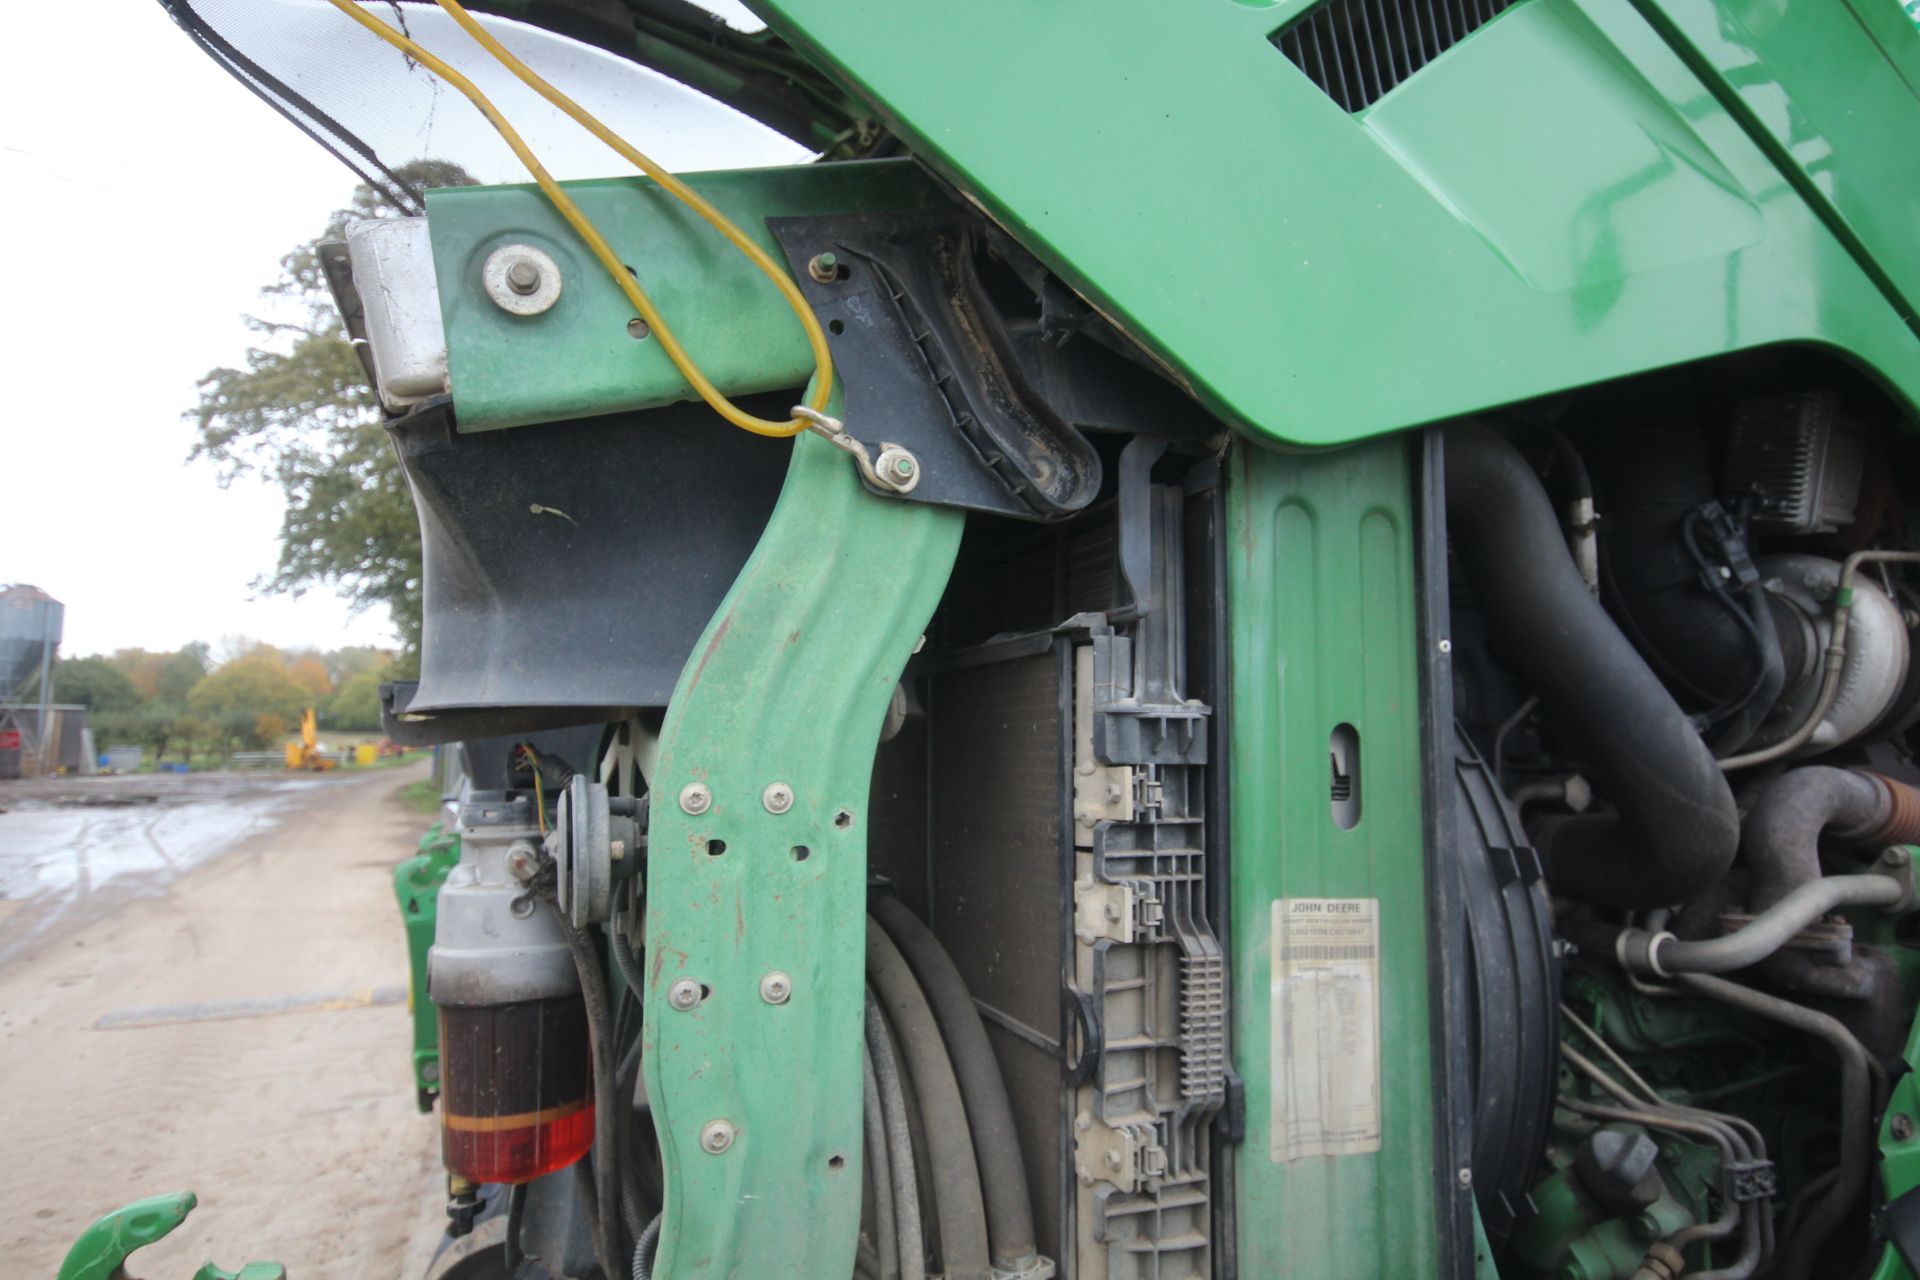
(893, 1111)
(996, 1144)
(956, 1175)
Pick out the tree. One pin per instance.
(301, 413)
(357, 705)
(311, 674)
(179, 673)
(94, 683)
(250, 686)
(142, 668)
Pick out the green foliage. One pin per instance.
(300, 412)
(253, 685)
(94, 683)
(179, 673)
(357, 705)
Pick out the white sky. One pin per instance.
(145, 197)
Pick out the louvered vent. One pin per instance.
(1358, 50)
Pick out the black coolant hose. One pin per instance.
(1676, 828)
(1003, 1175)
(958, 1206)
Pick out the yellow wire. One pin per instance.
(823, 380)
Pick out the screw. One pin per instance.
(523, 278)
(522, 863)
(716, 1137)
(824, 268)
(695, 798)
(778, 797)
(776, 987)
(684, 994)
(1464, 1177)
(1901, 1126)
(903, 466)
(1446, 646)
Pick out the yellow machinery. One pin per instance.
(305, 754)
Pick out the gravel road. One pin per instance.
(127, 902)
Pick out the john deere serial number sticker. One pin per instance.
(1326, 1027)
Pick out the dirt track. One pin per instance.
(298, 1130)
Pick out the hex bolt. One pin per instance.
(716, 1137)
(776, 988)
(1464, 1177)
(778, 797)
(902, 467)
(1901, 1126)
(523, 278)
(695, 798)
(684, 994)
(824, 268)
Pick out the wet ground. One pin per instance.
(202, 987)
(73, 849)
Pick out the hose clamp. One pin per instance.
(1637, 951)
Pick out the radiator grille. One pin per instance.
(1358, 50)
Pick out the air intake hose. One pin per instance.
(1675, 828)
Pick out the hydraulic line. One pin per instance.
(1803, 1250)
(996, 1144)
(593, 987)
(886, 1230)
(583, 226)
(912, 1242)
(958, 1206)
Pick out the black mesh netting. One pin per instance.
(382, 113)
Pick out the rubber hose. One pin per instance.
(886, 1231)
(906, 1178)
(996, 1143)
(1781, 844)
(593, 989)
(958, 1206)
(1676, 828)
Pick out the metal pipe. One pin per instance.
(1767, 932)
(1803, 1250)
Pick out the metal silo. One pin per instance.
(30, 622)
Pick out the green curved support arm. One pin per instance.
(756, 896)
(103, 1248)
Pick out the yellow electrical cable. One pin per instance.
(823, 379)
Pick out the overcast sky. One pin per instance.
(147, 196)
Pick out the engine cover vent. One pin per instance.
(1358, 50)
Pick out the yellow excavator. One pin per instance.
(306, 754)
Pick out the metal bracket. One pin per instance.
(896, 471)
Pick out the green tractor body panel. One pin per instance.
(578, 359)
(416, 885)
(788, 687)
(1556, 201)
(1321, 592)
(102, 1250)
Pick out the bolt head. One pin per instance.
(684, 994)
(778, 797)
(1464, 1177)
(776, 988)
(523, 277)
(695, 798)
(824, 268)
(1901, 1126)
(522, 863)
(716, 1137)
(903, 467)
